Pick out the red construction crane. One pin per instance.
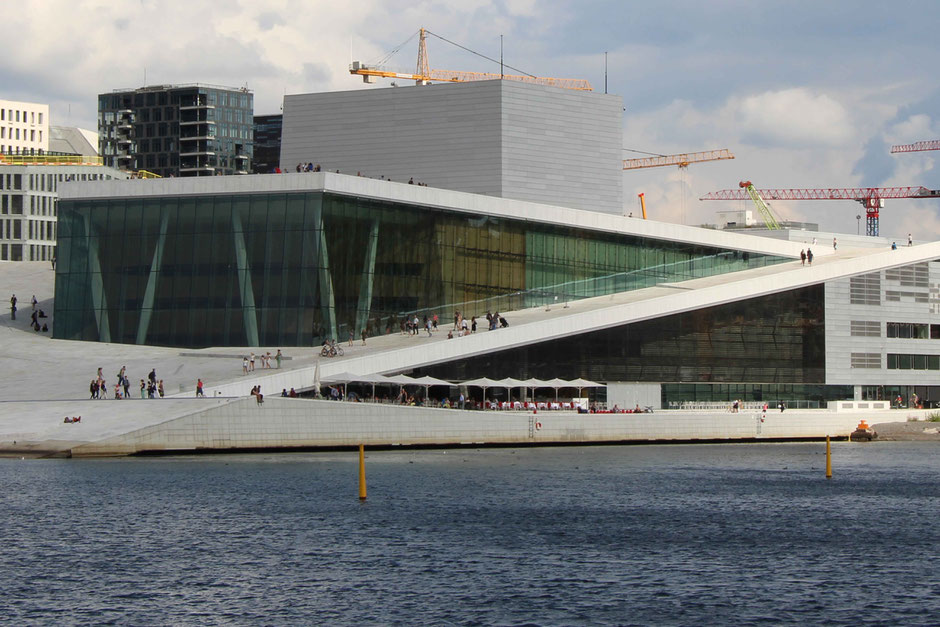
(871, 197)
(917, 146)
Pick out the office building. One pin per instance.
(29, 186)
(24, 127)
(267, 148)
(177, 130)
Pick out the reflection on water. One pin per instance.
(699, 534)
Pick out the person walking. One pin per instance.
(245, 364)
(803, 257)
(809, 256)
(278, 358)
(834, 244)
(13, 307)
(364, 334)
(910, 240)
(251, 362)
(199, 391)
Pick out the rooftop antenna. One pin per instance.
(605, 72)
(500, 57)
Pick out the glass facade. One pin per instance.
(292, 269)
(775, 339)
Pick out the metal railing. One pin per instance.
(570, 291)
(50, 160)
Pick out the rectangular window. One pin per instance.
(40, 117)
(866, 360)
(919, 362)
(866, 328)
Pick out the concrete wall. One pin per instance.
(282, 423)
(629, 395)
(499, 138)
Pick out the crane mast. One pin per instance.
(769, 220)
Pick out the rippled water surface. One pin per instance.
(684, 535)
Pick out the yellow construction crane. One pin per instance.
(682, 160)
(424, 74)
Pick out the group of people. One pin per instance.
(806, 255)
(149, 388)
(37, 314)
(256, 392)
(248, 361)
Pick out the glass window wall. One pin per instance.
(295, 269)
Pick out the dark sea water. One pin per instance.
(648, 535)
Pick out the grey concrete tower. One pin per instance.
(500, 137)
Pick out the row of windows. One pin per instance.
(8, 115)
(188, 97)
(35, 252)
(866, 360)
(11, 229)
(914, 330)
(865, 328)
(915, 275)
(896, 361)
(865, 290)
(11, 252)
(37, 229)
(45, 182)
(32, 135)
(895, 296)
(913, 362)
(903, 330)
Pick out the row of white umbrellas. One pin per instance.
(427, 382)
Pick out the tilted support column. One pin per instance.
(366, 282)
(146, 309)
(244, 281)
(98, 297)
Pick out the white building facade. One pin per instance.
(28, 205)
(24, 127)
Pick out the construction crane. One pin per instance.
(424, 74)
(871, 197)
(917, 146)
(682, 160)
(769, 219)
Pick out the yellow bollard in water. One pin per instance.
(828, 459)
(362, 473)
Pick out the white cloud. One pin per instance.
(795, 117)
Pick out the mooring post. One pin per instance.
(362, 473)
(828, 459)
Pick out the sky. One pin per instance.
(804, 93)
